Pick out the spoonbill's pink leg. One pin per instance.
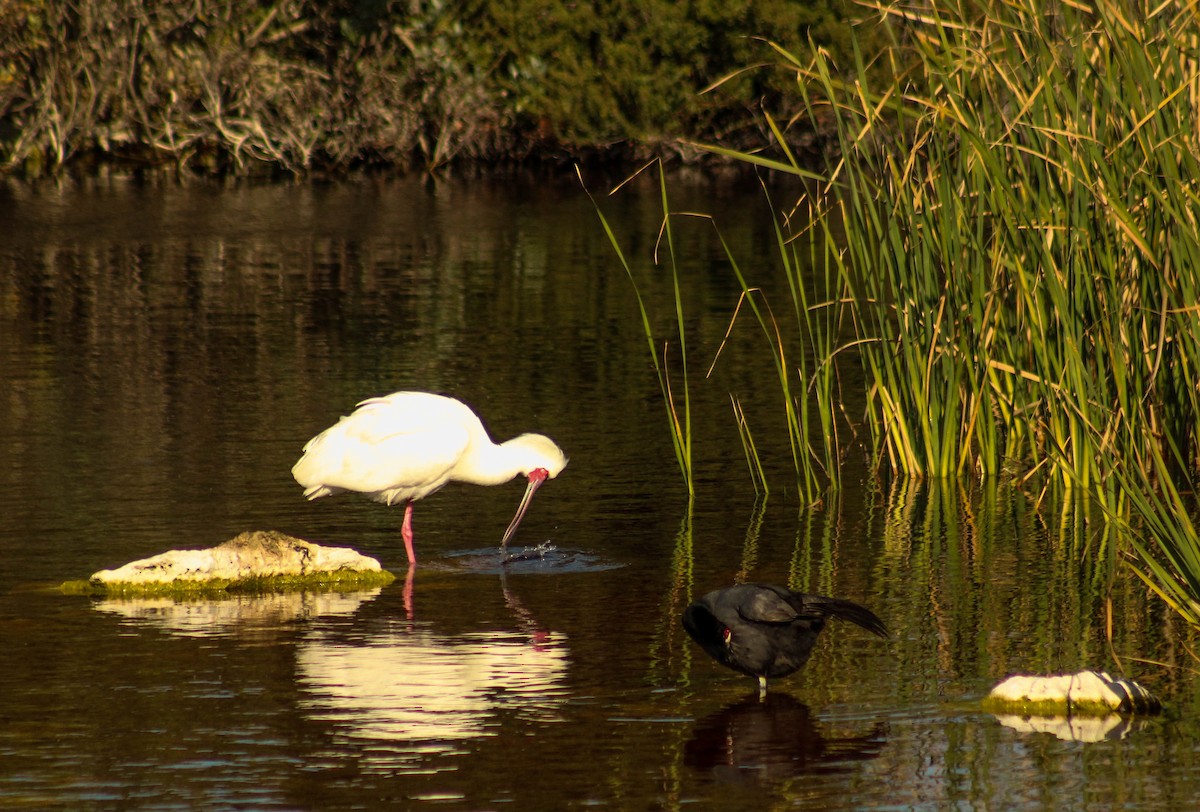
(406, 532)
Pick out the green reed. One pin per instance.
(1012, 225)
(1164, 537)
(676, 395)
(1031, 231)
(809, 404)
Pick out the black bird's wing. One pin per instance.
(843, 609)
(763, 603)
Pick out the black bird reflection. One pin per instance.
(771, 739)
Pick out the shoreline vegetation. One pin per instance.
(299, 87)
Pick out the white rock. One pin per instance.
(245, 557)
(1086, 688)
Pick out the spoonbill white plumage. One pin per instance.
(405, 446)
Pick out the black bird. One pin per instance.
(767, 631)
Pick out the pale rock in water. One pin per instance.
(252, 555)
(1085, 692)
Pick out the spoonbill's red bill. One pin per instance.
(767, 631)
(405, 446)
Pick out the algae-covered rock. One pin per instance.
(1088, 692)
(262, 560)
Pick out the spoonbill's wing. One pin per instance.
(396, 449)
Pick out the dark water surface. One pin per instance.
(164, 354)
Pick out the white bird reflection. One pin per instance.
(392, 694)
(233, 613)
(412, 693)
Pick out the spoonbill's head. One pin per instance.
(537, 451)
(539, 459)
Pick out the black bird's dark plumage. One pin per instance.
(767, 631)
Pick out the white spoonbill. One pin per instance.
(407, 445)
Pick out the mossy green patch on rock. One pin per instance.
(342, 581)
(1044, 707)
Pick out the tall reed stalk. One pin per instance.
(676, 395)
(808, 403)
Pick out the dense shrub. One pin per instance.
(300, 84)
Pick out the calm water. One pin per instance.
(164, 354)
